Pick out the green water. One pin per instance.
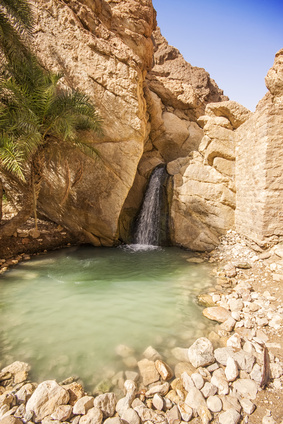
(65, 313)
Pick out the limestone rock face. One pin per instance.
(259, 165)
(176, 94)
(203, 203)
(147, 95)
(104, 49)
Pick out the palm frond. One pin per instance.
(11, 158)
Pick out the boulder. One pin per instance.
(45, 399)
(217, 313)
(148, 371)
(201, 353)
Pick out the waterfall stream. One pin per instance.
(148, 224)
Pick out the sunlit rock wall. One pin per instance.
(259, 164)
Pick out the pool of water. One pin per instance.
(65, 313)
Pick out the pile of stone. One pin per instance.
(206, 383)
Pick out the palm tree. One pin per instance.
(36, 112)
(16, 23)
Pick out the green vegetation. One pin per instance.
(36, 111)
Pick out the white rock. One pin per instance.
(235, 305)
(246, 388)
(201, 353)
(256, 373)
(218, 379)
(231, 370)
(214, 403)
(158, 402)
(181, 354)
(147, 414)
(198, 380)
(248, 406)
(187, 381)
(196, 401)
(209, 390)
(173, 415)
(276, 322)
(93, 416)
(106, 403)
(276, 370)
(236, 315)
(161, 389)
(185, 411)
(229, 417)
(62, 413)
(228, 325)
(234, 341)
(83, 405)
(45, 399)
(130, 416)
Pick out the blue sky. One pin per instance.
(235, 41)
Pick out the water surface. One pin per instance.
(65, 313)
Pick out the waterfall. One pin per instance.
(148, 224)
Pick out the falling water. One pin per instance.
(148, 224)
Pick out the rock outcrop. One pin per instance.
(106, 49)
(259, 165)
(203, 203)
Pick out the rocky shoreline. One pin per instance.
(233, 375)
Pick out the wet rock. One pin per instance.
(93, 416)
(151, 354)
(216, 313)
(214, 403)
(183, 367)
(124, 351)
(106, 403)
(231, 370)
(130, 416)
(205, 300)
(46, 398)
(229, 417)
(164, 370)
(83, 405)
(132, 375)
(246, 388)
(201, 353)
(180, 354)
(148, 371)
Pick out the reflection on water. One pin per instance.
(65, 313)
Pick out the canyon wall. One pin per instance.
(225, 162)
(259, 165)
(146, 94)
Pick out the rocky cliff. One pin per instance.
(225, 163)
(147, 95)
